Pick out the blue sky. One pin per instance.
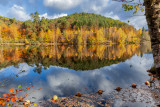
(21, 9)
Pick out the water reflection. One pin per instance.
(64, 80)
(74, 57)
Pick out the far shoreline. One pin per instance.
(19, 44)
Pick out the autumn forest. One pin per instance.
(78, 28)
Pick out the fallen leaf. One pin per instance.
(35, 104)
(134, 85)
(100, 92)
(4, 95)
(26, 95)
(13, 99)
(16, 90)
(11, 90)
(118, 89)
(27, 102)
(55, 98)
(147, 82)
(19, 86)
(28, 88)
(3, 103)
(78, 94)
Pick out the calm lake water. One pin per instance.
(66, 70)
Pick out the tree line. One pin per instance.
(78, 28)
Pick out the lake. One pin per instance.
(66, 70)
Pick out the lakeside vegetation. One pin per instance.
(78, 28)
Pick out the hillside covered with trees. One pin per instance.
(78, 28)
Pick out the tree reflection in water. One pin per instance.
(74, 57)
(65, 82)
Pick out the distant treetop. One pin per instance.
(88, 20)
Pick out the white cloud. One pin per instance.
(95, 6)
(106, 8)
(112, 15)
(137, 21)
(18, 12)
(54, 16)
(62, 4)
(63, 81)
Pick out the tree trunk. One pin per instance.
(152, 12)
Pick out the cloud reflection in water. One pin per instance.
(66, 82)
